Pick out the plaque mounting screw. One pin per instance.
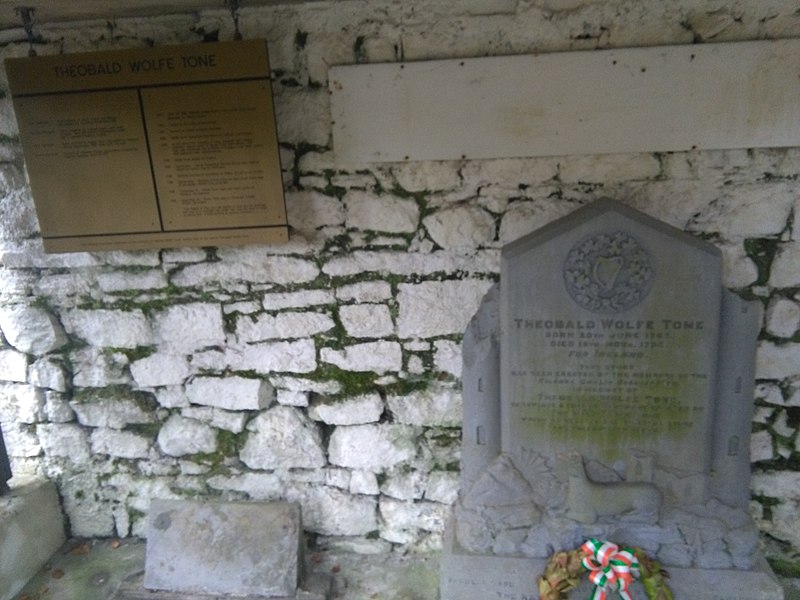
(26, 16)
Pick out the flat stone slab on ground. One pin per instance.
(231, 548)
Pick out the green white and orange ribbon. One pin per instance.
(610, 568)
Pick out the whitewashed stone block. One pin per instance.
(300, 384)
(370, 212)
(221, 419)
(109, 328)
(307, 211)
(461, 227)
(31, 330)
(738, 269)
(329, 511)
(434, 308)
(427, 176)
(404, 486)
(303, 115)
(601, 168)
(783, 317)
(761, 446)
(364, 482)
(389, 445)
(268, 357)
(259, 486)
(115, 413)
(522, 218)
(120, 281)
(770, 393)
(172, 396)
(180, 436)
(230, 393)
(183, 255)
(292, 398)
(93, 368)
(755, 210)
(13, 366)
(301, 299)
(403, 519)
(366, 320)
(188, 327)
(56, 408)
(785, 272)
(122, 444)
(775, 361)
(247, 265)
(447, 357)
(160, 369)
(64, 441)
(283, 438)
(348, 411)
(379, 357)
(442, 487)
(433, 407)
(412, 263)
(284, 325)
(22, 403)
(46, 373)
(367, 291)
(20, 443)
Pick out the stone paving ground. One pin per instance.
(114, 569)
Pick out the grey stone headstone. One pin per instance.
(223, 548)
(5, 465)
(610, 324)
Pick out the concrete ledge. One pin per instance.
(31, 530)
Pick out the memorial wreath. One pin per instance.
(610, 568)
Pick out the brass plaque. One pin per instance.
(151, 147)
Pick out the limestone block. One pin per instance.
(770, 393)
(160, 369)
(122, 444)
(292, 398)
(443, 486)
(31, 330)
(47, 373)
(404, 486)
(406, 263)
(738, 269)
(64, 441)
(447, 357)
(330, 511)
(310, 210)
(461, 227)
(300, 299)
(434, 308)
(347, 411)
(781, 425)
(366, 320)
(379, 357)
(299, 384)
(775, 361)
(369, 212)
(258, 486)
(22, 403)
(284, 325)
(433, 407)
(13, 366)
(389, 445)
(187, 327)
(231, 393)
(221, 419)
(783, 317)
(364, 482)
(367, 291)
(761, 446)
(247, 265)
(56, 407)
(316, 162)
(267, 357)
(94, 368)
(283, 438)
(180, 436)
(109, 328)
(120, 281)
(402, 519)
(522, 218)
(114, 412)
(20, 442)
(183, 255)
(216, 548)
(784, 272)
(605, 168)
(172, 396)
(427, 176)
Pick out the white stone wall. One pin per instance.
(326, 371)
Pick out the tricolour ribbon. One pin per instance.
(609, 568)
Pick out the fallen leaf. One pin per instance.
(57, 573)
(335, 569)
(116, 544)
(81, 549)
